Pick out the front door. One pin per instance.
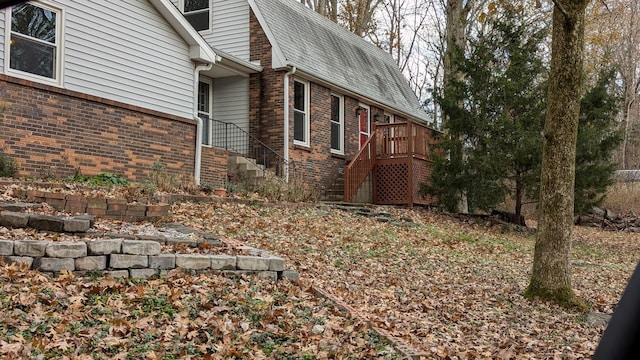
(365, 124)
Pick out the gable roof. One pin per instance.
(325, 51)
(199, 50)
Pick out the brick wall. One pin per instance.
(266, 95)
(56, 132)
(213, 167)
(315, 164)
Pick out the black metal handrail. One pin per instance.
(230, 137)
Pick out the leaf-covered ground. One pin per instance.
(449, 290)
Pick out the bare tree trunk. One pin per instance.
(455, 40)
(551, 277)
(629, 72)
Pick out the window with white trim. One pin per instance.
(337, 124)
(204, 110)
(197, 13)
(34, 49)
(301, 113)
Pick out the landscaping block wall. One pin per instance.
(116, 209)
(132, 258)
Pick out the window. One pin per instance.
(197, 13)
(301, 113)
(337, 124)
(389, 118)
(34, 45)
(204, 110)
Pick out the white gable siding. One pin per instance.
(230, 31)
(2, 15)
(124, 50)
(231, 100)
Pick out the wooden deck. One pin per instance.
(398, 157)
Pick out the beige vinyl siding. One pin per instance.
(230, 30)
(231, 101)
(125, 50)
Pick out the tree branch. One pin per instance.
(562, 10)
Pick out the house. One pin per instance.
(120, 84)
(107, 86)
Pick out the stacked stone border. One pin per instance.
(107, 208)
(135, 259)
(124, 255)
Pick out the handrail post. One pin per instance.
(410, 163)
(374, 158)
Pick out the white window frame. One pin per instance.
(306, 112)
(391, 117)
(57, 80)
(340, 122)
(210, 113)
(368, 122)
(208, 30)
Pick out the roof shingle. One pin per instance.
(317, 46)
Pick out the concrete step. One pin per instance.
(332, 197)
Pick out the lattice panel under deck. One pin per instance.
(392, 183)
(421, 174)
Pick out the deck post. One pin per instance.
(410, 163)
(374, 170)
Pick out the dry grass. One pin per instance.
(623, 197)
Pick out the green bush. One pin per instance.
(8, 165)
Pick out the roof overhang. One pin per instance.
(199, 50)
(309, 75)
(229, 65)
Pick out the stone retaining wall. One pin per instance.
(116, 209)
(134, 258)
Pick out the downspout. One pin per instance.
(286, 122)
(196, 80)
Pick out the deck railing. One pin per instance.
(358, 170)
(398, 155)
(403, 139)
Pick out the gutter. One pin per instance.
(362, 97)
(196, 80)
(285, 154)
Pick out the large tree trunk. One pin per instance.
(551, 277)
(455, 42)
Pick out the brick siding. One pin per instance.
(57, 132)
(214, 167)
(316, 164)
(266, 96)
